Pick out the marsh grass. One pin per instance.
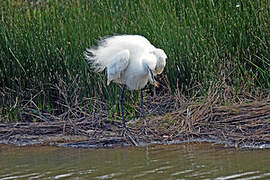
(207, 42)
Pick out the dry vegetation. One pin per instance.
(171, 119)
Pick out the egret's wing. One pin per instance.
(118, 63)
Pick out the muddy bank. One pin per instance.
(244, 125)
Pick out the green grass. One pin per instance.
(207, 42)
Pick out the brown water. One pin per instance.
(188, 161)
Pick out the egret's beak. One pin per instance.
(156, 84)
(152, 75)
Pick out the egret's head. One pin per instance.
(155, 62)
(161, 60)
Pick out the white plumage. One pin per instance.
(128, 59)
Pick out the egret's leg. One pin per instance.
(143, 115)
(125, 131)
(122, 107)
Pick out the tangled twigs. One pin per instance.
(169, 118)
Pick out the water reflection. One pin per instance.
(188, 161)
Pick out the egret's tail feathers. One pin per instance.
(92, 58)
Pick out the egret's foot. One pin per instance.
(126, 132)
(144, 130)
(145, 126)
(155, 97)
(123, 131)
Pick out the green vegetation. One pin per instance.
(208, 42)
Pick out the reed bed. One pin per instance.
(42, 69)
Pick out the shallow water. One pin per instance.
(185, 161)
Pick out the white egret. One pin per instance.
(129, 60)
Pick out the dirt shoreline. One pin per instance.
(243, 125)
